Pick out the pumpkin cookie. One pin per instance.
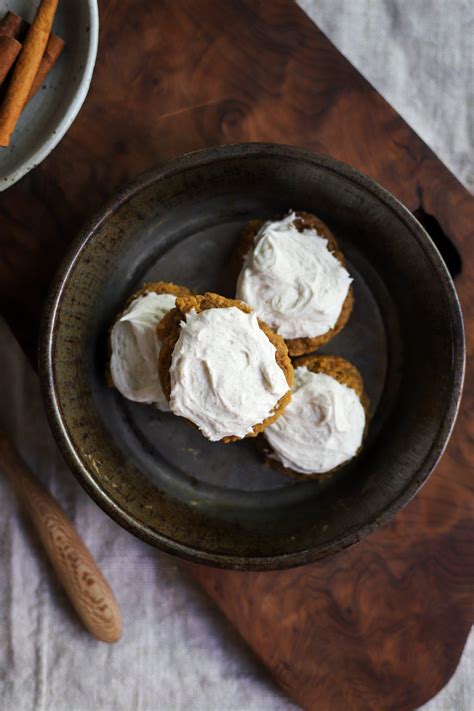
(324, 425)
(134, 345)
(221, 368)
(293, 274)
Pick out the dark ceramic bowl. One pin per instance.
(218, 503)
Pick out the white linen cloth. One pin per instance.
(176, 651)
(419, 54)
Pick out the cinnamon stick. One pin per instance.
(9, 51)
(16, 27)
(26, 69)
(11, 25)
(51, 55)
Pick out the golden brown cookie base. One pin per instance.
(340, 369)
(345, 373)
(168, 331)
(304, 220)
(158, 287)
(301, 346)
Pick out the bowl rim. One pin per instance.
(50, 143)
(53, 307)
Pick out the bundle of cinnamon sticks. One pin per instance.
(27, 55)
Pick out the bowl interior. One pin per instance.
(220, 503)
(50, 113)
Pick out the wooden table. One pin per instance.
(380, 626)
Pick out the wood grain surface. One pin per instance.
(86, 587)
(381, 626)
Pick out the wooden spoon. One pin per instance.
(85, 585)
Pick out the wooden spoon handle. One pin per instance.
(85, 585)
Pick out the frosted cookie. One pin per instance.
(324, 425)
(223, 369)
(293, 275)
(135, 347)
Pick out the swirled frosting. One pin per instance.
(322, 427)
(224, 375)
(292, 280)
(136, 347)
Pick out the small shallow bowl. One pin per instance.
(218, 503)
(51, 112)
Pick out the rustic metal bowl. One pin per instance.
(218, 503)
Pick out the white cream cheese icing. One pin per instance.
(136, 347)
(322, 427)
(224, 375)
(292, 280)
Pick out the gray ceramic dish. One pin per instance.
(50, 114)
(217, 503)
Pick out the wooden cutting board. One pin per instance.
(380, 626)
